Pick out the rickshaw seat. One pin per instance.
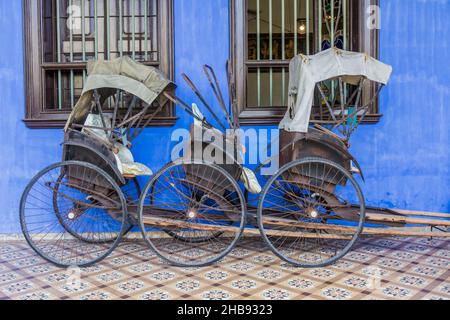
(124, 158)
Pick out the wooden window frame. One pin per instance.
(365, 41)
(35, 115)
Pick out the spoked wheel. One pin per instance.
(311, 213)
(73, 214)
(191, 221)
(194, 237)
(131, 192)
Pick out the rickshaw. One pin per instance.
(312, 211)
(75, 213)
(193, 212)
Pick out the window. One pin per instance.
(266, 34)
(62, 35)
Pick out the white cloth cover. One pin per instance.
(126, 164)
(198, 115)
(124, 158)
(307, 71)
(250, 181)
(95, 120)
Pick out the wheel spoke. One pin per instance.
(188, 217)
(303, 212)
(66, 214)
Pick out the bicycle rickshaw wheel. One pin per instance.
(90, 203)
(131, 191)
(311, 213)
(188, 221)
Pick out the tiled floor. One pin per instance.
(394, 268)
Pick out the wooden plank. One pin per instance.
(161, 222)
(406, 232)
(422, 213)
(407, 220)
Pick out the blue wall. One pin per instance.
(405, 157)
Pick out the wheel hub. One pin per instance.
(313, 213)
(72, 215)
(192, 214)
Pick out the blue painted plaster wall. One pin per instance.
(405, 157)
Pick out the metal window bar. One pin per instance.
(146, 30)
(83, 36)
(295, 27)
(72, 98)
(308, 21)
(133, 32)
(258, 47)
(332, 27)
(283, 51)
(96, 29)
(320, 25)
(106, 14)
(121, 27)
(58, 52)
(345, 22)
(95, 21)
(270, 53)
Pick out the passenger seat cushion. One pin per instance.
(136, 169)
(127, 165)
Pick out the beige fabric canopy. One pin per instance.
(306, 71)
(145, 82)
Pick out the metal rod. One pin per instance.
(83, 37)
(130, 108)
(232, 94)
(308, 49)
(108, 27)
(296, 27)
(283, 50)
(320, 24)
(338, 17)
(96, 29)
(72, 94)
(141, 118)
(271, 53)
(202, 99)
(121, 27)
(211, 75)
(366, 109)
(332, 36)
(324, 97)
(341, 93)
(100, 110)
(137, 119)
(183, 105)
(58, 52)
(146, 30)
(116, 109)
(258, 47)
(138, 131)
(133, 30)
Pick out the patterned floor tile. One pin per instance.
(377, 268)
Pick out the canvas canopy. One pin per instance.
(145, 82)
(307, 71)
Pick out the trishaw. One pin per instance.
(193, 212)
